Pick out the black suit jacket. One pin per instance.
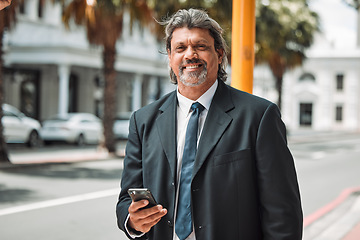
(244, 184)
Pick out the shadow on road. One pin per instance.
(66, 171)
(12, 195)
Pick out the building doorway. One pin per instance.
(73, 93)
(29, 93)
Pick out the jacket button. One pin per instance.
(170, 223)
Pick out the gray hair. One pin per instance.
(195, 18)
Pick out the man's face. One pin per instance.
(193, 57)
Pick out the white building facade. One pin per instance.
(51, 70)
(322, 95)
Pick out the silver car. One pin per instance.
(121, 125)
(19, 128)
(76, 128)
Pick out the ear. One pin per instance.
(169, 54)
(220, 53)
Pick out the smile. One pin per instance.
(193, 66)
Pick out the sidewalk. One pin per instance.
(38, 157)
(308, 136)
(63, 156)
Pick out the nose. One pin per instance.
(191, 53)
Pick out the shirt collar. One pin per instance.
(205, 99)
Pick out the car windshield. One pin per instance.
(12, 110)
(64, 118)
(74, 117)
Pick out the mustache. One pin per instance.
(192, 61)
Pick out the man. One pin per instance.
(242, 182)
(4, 3)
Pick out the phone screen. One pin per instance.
(138, 194)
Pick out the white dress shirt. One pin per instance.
(183, 116)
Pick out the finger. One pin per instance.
(153, 217)
(154, 212)
(142, 212)
(135, 206)
(146, 224)
(143, 220)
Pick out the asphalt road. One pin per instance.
(62, 201)
(77, 200)
(326, 166)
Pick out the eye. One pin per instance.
(201, 47)
(180, 48)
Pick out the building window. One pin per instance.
(340, 82)
(307, 77)
(306, 114)
(339, 113)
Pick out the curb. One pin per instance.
(65, 159)
(330, 206)
(337, 220)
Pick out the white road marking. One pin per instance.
(318, 155)
(60, 201)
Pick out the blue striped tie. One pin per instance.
(183, 224)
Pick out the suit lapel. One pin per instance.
(216, 123)
(166, 126)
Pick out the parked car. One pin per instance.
(19, 128)
(75, 128)
(121, 125)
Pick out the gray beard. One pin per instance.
(188, 81)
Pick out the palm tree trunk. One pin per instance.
(278, 85)
(358, 28)
(109, 54)
(4, 157)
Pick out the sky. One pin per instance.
(338, 22)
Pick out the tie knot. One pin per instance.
(197, 105)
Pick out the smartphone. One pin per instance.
(138, 194)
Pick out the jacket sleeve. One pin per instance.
(131, 176)
(280, 203)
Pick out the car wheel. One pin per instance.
(80, 140)
(34, 140)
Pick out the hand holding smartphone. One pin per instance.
(138, 194)
(143, 221)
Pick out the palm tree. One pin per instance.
(284, 30)
(7, 20)
(355, 4)
(103, 20)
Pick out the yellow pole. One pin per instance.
(242, 47)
